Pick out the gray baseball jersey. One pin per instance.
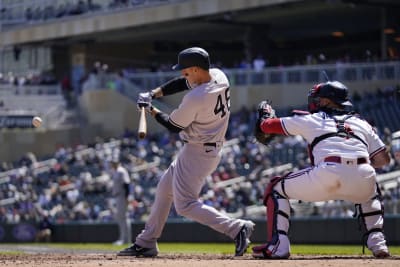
(204, 111)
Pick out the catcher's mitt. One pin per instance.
(265, 111)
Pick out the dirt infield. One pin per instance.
(184, 260)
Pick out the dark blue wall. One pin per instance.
(304, 231)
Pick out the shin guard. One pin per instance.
(371, 217)
(278, 213)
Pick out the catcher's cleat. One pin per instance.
(381, 254)
(138, 251)
(377, 245)
(279, 250)
(242, 239)
(263, 252)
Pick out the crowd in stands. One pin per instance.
(74, 183)
(37, 11)
(33, 78)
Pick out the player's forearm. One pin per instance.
(163, 119)
(156, 93)
(173, 86)
(272, 126)
(380, 159)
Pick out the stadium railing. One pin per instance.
(8, 89)
(289, 74)
(389, 180)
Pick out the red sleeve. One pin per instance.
(272, 126)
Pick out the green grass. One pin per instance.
(218, 248)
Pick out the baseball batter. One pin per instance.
(344, 150)
(201, 121)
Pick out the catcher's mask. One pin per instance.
(335, 91)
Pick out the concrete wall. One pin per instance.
(89, 24)
(17, 142)
(113, 112)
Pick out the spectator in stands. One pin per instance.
(49, 12)
(259, 63)
(39, 185)
(119, 82)
(67, 90)
(28, 14)
(92, 82)
(61, 10)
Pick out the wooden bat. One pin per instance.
(142, 129)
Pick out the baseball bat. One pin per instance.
(142, 130)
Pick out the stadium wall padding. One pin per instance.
(314, 230)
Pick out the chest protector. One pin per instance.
(342, 131)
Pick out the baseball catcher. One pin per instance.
(344, 151)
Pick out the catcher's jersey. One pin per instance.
(204, 112)
(317, 124)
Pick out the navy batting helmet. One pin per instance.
(193, 57)
(335, 91)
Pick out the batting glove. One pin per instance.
(145, 97)
(144, 100)
(146, 105)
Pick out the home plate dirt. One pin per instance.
(51, 257)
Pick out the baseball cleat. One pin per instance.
(280, 249)
(265, 252)
(138, 251)
(377, 244)
(242, 239)
(380, 254)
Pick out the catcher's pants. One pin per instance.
(181, 185)
(332, 181)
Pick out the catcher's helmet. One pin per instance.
(335, 91)
(193, 57)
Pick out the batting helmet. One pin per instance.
(335, 91)
(193, 57)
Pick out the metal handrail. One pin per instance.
(289, 74)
